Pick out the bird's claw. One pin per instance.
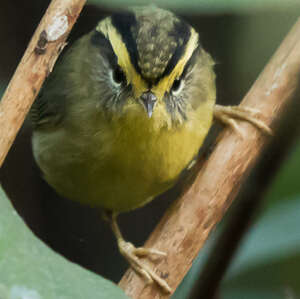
(132, 254)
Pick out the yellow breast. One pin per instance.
(128, 162)
(144, 156)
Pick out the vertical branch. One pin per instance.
(36, 64)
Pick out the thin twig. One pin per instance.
(186, 225)
(36, 64)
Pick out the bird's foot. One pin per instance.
(133, 256)
(229, 114)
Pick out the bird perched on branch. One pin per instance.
(125, 112)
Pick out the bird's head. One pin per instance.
(152, 58)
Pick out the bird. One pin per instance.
(124, 113)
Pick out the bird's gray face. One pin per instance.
(148, 58)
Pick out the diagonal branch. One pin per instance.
(249, 203)
(37, 63)
(186, 225)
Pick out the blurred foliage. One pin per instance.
(268, 262)
(207, 6)
(29, 269)
(286, 184)
(242, 36)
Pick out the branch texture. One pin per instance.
(186, 225)
(36, 64)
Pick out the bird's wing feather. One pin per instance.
(48, 109)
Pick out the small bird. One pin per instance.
(124, 113)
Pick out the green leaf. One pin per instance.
(269, 260)
(31, 270)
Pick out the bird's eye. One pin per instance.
(177, 86)
(118, 76)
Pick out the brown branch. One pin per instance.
(249, 203)
(37, 62)
(186, 225)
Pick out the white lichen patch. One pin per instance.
(57, 28)
(272, 88)
(22, 292)
(276, 77)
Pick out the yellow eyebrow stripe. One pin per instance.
(110, 32)
(139, 85)
(165, 84)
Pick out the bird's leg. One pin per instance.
(133, 254)
(229, 114)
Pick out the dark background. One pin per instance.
(241, 42)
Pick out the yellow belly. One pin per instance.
(130, 161)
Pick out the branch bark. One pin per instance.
(249, 203)
(186, 225)
(36, 64)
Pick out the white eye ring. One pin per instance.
(117, 77)
(177, 86)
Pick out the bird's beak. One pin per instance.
(149, 100)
